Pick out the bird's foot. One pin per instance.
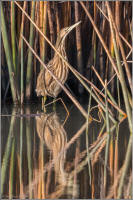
(54, 105)
(43, 104)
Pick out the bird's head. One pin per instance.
(65, 31)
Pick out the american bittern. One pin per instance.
(46, 84)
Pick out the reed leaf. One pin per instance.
(108, 137)
(29, 62)
(13, 37)
(12, 77)
(87, 140)
(22, 74)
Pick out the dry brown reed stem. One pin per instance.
(121, 48)
(41, 23)
(57, 18)
(78, 40)
(101, 39)
(45, 17)
(100, 79)
(36, 43)
(22, 26)
(51, 26)
(69, 10)
(66, 13)
(117, 14)
(123, 38)
(62, 86)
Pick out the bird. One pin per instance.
(46, 84)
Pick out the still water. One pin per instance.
(50, 155)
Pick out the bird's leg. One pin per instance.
(43, 103)
(64, 107)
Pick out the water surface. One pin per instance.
(45, 155)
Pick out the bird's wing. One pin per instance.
(48, 77)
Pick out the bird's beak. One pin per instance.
(73, 26)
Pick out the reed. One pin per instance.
(79, 46)
(87, 139)
(108, 137)
(51, 26)
(29, 61)
(22, 74)
(8, 54)
(13, 37)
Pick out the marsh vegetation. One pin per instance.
(81, 146)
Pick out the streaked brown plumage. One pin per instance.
(46, 84)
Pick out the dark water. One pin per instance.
(36, 166)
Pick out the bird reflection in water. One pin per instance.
(53, 134)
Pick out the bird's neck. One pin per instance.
(61, 50)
